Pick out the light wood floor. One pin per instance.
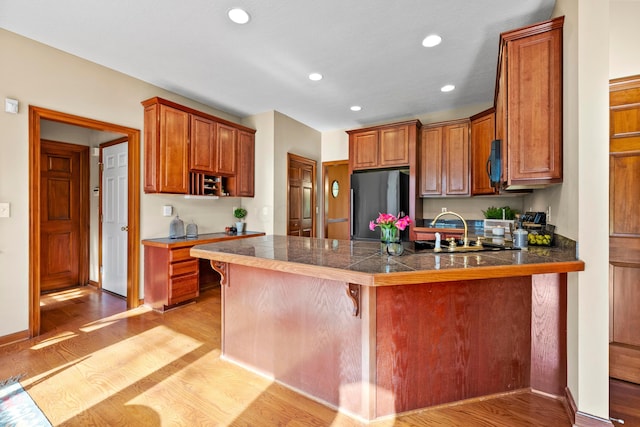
(99, 365)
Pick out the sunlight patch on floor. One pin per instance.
(54, 340)
(228, 392)
(148, 357)
(110, 320)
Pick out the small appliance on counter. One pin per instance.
(192, 230)
(533, 219)
(176, 228)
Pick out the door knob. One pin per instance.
(124, 228)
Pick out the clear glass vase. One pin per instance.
(390, 243)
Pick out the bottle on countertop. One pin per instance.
(192, 230)
(176, 228)
(520, 238)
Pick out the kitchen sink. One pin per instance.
(429, 246)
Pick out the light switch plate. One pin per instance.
(5, 210)
(11, 105)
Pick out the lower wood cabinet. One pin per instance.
(170, 277)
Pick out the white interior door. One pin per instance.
(114, 218)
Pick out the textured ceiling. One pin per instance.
(369, 51)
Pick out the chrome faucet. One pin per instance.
(465, 240)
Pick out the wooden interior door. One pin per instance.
(624, 229)
(64, 187)
(336, 200)
(301, 194)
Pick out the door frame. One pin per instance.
(36, 114)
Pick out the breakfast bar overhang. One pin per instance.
(373, 335)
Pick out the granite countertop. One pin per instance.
(167, 242)
(362, 262)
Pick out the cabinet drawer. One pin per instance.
(184, 267)
(180, 254)
(183, 288)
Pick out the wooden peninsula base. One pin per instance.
(374, 351)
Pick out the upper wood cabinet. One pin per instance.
(444, 159)
(245, 179)
(185, 149)
(227, 139)
(203, 144)
(382, 146)
(166, 147)
(482, 133)
(529, 104)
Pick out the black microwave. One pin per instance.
(494, 163)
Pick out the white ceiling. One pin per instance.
(369, 51)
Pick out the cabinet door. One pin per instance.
(227, 137)
(624, 229)
(363, 149)
(394, 146)
(173, 152)
(151, 146)
(501, 119)
(455, 146)
(431, 162)
(246, 165)
(203, 144)
(534, 104)
(482, 133)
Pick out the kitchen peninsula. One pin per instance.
(374, 335)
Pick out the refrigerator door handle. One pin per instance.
(351, 218)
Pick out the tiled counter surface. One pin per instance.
(362, 263)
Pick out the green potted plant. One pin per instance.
(504, 212)
(240, 213)
(499, 220)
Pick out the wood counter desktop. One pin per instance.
(171, 276)
(373, 335)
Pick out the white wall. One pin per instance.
(335, 145)
(260, 208)
(624, 54)
(296, 138)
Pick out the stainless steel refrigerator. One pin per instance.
(375, 192)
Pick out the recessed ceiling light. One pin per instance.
(447, 88)
(239, 16)
(356, 108)
(315, 77)
(431, 40)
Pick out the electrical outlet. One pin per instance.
(443, 210)
(548, 214)
(167, 210)
(5, 210)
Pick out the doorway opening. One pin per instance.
(36, 117)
